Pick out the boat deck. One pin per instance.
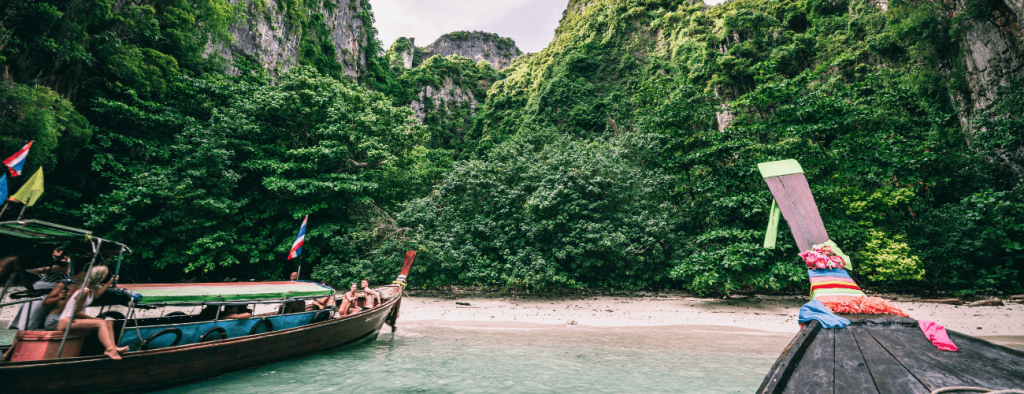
(888, 354)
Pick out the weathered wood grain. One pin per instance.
(888, 373)
(852, 375)
(797, 205)
(816, 370)
(779, 376)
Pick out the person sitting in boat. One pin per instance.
(93, 288)
(31, 316)
(17, 264)
(235, 312)
(294, 276)
(323, 303)
(372, 297)
(349, 301)
(57, 300)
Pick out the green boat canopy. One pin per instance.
(37, 230)
(198, 293)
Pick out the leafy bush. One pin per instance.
(543, 212)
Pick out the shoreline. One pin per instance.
(756, 315)
(774, 314)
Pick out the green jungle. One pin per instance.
(621, 157)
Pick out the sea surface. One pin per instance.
(443, 359)
(440, 357)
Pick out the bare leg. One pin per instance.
(105, 331)
(344, 308)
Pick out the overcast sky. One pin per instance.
(531, 23)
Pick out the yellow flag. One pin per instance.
(31, 190)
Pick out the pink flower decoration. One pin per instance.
(822, 257)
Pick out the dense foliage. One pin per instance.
(622, 156)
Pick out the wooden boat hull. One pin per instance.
(888, 354)
(161, 368)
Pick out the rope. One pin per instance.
(975, 389)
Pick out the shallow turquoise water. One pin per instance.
(458, 360)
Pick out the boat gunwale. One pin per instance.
(220, 342)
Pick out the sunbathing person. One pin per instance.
(349, 301)
(92, 288)
(372, 297)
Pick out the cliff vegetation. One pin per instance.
(621, 156)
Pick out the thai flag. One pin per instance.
(297, 246)
(18, 160)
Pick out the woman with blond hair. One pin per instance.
(92, 288)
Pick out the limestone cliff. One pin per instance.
(476, 45)
(279, 34)
(992, 49)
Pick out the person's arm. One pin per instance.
(103, 289)
(53, 296)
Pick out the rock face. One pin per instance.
(477, 45)
(993, 51)
(408, 54)
(269, 36)
(448, 95)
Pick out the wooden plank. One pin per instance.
(889, 375)
(797, 205)
(779, 376)
(815, 372)
(1006, 365)
(933, 367)
(852, 375)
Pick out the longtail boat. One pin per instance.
(883, 351)
(178, 347)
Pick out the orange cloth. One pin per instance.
(859, 305)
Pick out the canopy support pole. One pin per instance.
(117, 269)
(81, 290)
(8, 285)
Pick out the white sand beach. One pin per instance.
(776, 314)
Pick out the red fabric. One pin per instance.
(834, 286)
(936, 333)
(859, 305)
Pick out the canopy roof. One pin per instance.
(37, 230)
(197, 293)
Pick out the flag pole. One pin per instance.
(22, 213)
(298, 273)
(4, 209)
